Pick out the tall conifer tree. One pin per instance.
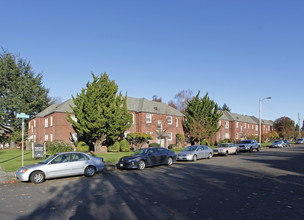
(202, 118)
(102, 114)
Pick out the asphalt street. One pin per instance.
(259, 185)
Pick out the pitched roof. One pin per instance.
(243, 118)
(144, 105)
(133, 104)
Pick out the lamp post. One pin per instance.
(260, 125)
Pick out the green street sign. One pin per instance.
(22, 115)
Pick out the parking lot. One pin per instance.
(259, 185)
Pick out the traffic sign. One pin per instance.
(22, 115)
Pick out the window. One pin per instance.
(227, 136)
(176, 122)
(241, 128)
(46, 137)
(51, 137)
(73, 118)
(220, 136)
(126, 134)
(51, 121)
(244, 125)
(169, 120)
(160, 124)
(34, 123)
(34, 138)
(169, 136)
(237, 136)
(32, 129)
(220, 123)
(46, 122)
(226, 124)
(133, 118)
(148, 118)
(237, 125)
(256, 128)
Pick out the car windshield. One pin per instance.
(190, 148)
(48, 159)
(222, 145)
(245, 142)
(277, 141)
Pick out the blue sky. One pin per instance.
(238, 51)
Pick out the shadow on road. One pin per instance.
(184, 191)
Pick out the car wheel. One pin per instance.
(169, 161)
(236, 152)
(226, 154)
(210, 156)
(258, 149)
(141, 165)
(89, 171)
(251, 150)
(194, 158)
(37, 177)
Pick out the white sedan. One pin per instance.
(61, 165)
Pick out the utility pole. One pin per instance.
(299, 121)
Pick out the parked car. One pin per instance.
(226, 149)
(249, 145)
(61, 165)
(300, 141)
(195, 152)
(287, 143)
(147, 157)
(278, 143)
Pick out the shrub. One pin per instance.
(154, 145)
(211, 144)
(204, 142)
(172, 146)
(83, 147)
(114, 148)
(124, 146)
(179, 138)
(58, 147)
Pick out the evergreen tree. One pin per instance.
(225, 108)
(102, 114)
(21, 90)
(202, 117)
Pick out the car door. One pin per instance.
(79, 163)
(59, 166)
(152, 157)
(200, 152)
(205, 151)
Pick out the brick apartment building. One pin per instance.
(239, 127)
(159, 119)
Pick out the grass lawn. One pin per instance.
(11, 160)
(112, 157)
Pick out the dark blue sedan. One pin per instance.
(147, 157)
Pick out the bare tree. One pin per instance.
(181, 99)
(155, 98)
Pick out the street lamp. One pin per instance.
(260, 129)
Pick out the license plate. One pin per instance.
(121, 165)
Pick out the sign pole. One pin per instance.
(23, 116)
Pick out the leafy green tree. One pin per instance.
(102, 114)
(202, 117)
(285, 127)
(225, 108)
(21, 90)
(138, 139)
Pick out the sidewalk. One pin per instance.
(6, 177)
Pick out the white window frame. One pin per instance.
(176, 122)
(133, 118)
(244, 125)
(220, 123)
(256, 128)
(51, 121)
(46, 122)
(34, 123)
(159, 122)
(51, 137)
(148, 118)
(226, 135)
(46, 137)
(237, 124)
(169, 136)
(227, 124)
(237, 136)
(34, 138)
(169, 120)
